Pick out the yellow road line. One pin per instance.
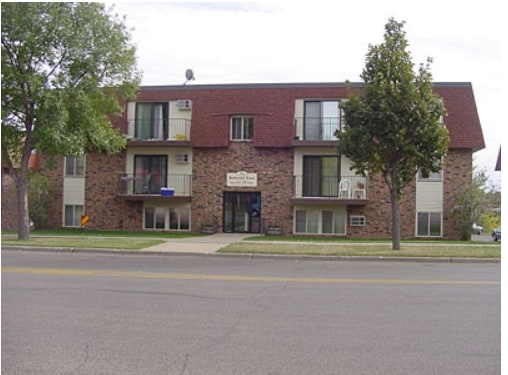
(183, 276)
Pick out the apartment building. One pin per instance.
(246, 157)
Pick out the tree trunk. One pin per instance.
(394, 197)
(395, 221)
(22, 185)
(23, 215)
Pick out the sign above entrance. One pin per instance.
(242, 179)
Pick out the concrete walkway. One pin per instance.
(197, 245)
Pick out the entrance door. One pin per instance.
(242, 212)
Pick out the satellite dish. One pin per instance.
(189, 75)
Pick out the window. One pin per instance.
(322, 119)
(73, 215)
(242, 128)
(150, 173)
(167, 218)
(179, 218)
(320, 221)
(320, 176)
(429, 224)
(429, 176)
(357, 221)
(155, 218)
(74, 166)
(151, 121)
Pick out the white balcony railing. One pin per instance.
(316, 128)
(181, 184)
(344, 187)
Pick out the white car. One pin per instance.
(477, 229)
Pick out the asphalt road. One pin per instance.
(65, 313)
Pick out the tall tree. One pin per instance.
(65, 69)
(393, 124)
(470, 202)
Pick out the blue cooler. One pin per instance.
(167, 192)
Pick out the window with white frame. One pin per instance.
(167, 218)
(242, 128)
(151, 121)
(428, 224)
(179, 218)
(74, 167)
(72, 215)
(322, 119)
(155, 218)
(320, 221)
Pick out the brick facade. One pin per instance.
(274, 169)
(270, 155)
(457, 177)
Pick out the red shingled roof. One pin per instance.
(273, 103)
(462, 121)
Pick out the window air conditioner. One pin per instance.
(184, 104)
(182, 158)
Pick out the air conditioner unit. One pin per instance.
(182, 158)
(184, 104)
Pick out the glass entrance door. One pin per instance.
(242, 212)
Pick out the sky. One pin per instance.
(322, 41)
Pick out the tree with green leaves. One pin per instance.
(470, 203)
(393, 124)
(66, 67)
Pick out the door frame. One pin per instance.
(254, 225)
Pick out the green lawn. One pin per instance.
(83, 242)
(105, 233)
(375, 249)
(290, 245)
(93, 239)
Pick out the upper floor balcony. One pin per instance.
(346, 189)
(315, 131)
(163, 132)
(153, 187)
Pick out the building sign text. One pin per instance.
(242, 179)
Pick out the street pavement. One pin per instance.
(89, 313)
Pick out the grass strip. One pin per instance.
(367, 249)
(103, 233)
(82, 242)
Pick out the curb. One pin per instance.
(256, 255)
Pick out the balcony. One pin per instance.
(316, 130)
(141, 188)
(351, 190)
(174, 131)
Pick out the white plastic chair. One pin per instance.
(345, 189)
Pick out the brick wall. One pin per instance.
(378, 212)
(102, 183)
(103, 206)
(274, 168)
(457, 177)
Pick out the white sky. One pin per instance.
(289, 41)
